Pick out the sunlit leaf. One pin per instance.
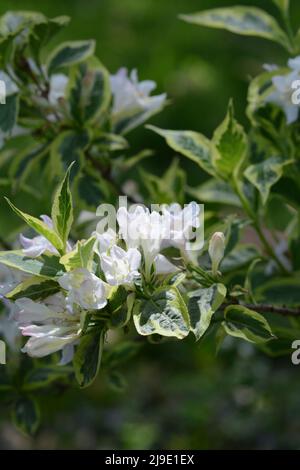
(246, 324)
(202, 305)
(248, 21)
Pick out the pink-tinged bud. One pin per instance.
(216, 250)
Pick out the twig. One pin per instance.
(265, 308)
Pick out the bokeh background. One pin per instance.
(176, 395)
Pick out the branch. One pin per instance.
(265, 308)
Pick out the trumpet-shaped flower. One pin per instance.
(84, 289)
(163, 265)
(132, 103)
(181, 223)
(105, 241)
(50, 325)
(120, 267)
(142, 230)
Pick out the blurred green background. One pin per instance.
(178, 395)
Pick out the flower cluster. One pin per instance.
(131, 101)
(129, 256)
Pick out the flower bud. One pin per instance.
(216, 250)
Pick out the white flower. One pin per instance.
(181, 223)
(284, 90)
(105, 241)
(84, 289)
(152, 231)
(282, 96)
(58, 85)
(132, 103)
(10, 86)
(50, 325)
(142, 230)
(120, 267)
(164, 266)
(34, 247)
(294, 64)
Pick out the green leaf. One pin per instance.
(5, 380)
(69, 53)
(121, 307)
(62, 209)
(67, 148)
(16, 21)
(42, 33)
(87, 357)
(283, 344)
(44, 266)
(231, 141)
(117, 298)
(33, 288)
(239, 258)
(281, 291)
(259, 89)
(40, 227)
(220, 338)
(165, 314)
(120, 353)
(265, 174)
(116, 381)
(248, 21)
(283, 5)
(248, 280)
(92, 189)
(167, 188)
(278, 348)
(40, 377)
(7, 50)
(233, 229)
(24, 161)
(110, 142)
(127, 163)
(192, 145)
(202, 305)
(89, 92)
(81, 256)
(215, 191)
(246, 324)
(26, 415)
(9, 112)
